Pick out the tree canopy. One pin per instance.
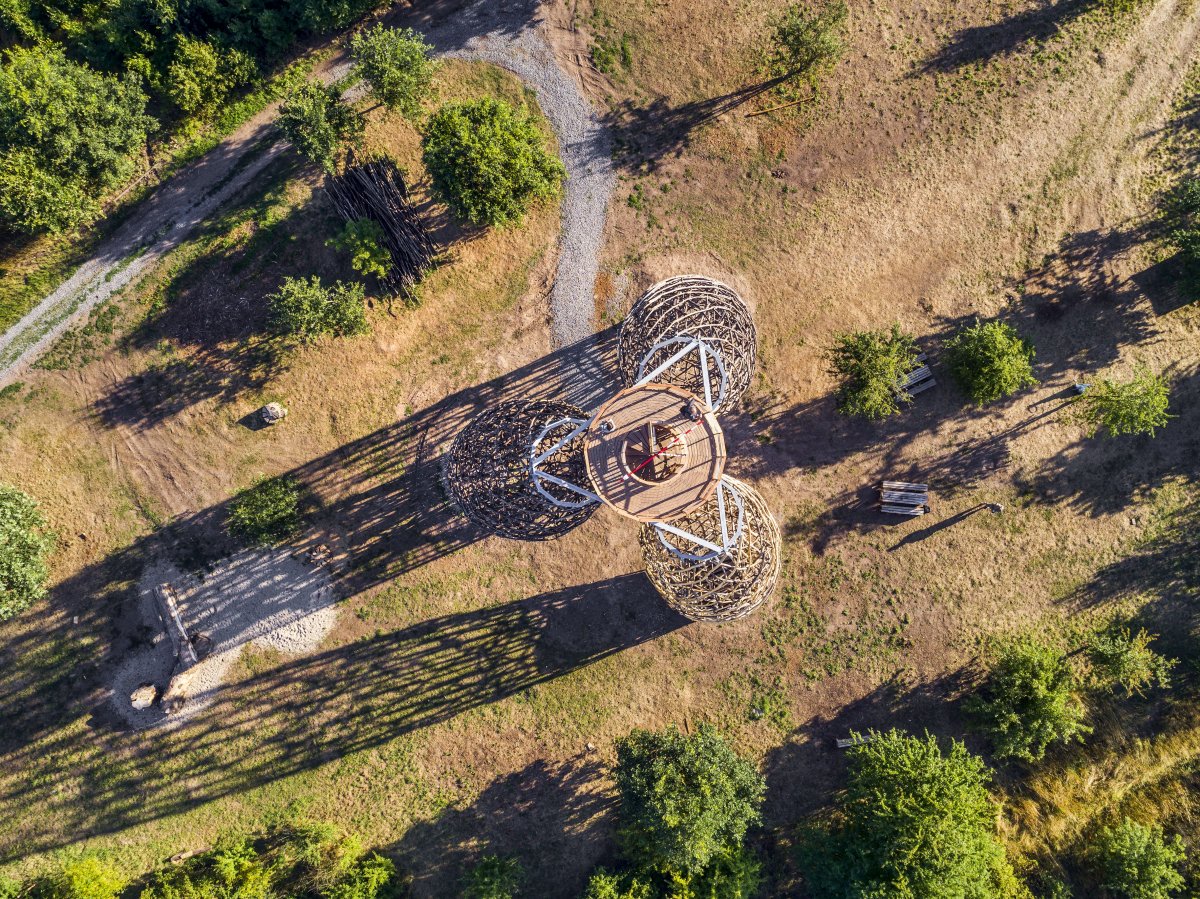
(266, 512)
(1124, 659)
(319, 124)
(806, 39)
(914, 823)
(871, 364)
(202, 74)
(1136, 861)
(489, 161)
(69, 133)
(684, 799)
(1028, 702)
(990, 360)
(25, 545)
(1136, 406)
(396, 64)
(306, 309)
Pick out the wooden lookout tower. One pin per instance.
(654, 452)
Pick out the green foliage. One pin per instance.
(611, 53)
(602, 885)
(1121, 658)
(1137, 406)
(871, 364)
(365, 241)
(307, 309)
(990, 361)
(300, 862)
(1136, 861)
(806, 41)
(318, 123)
(267, 512)
(69, 134)
(495, 877)
(685, 800)
(1029, 702)
(25, 544)
(489, 161)
(914, 823)
(84, 878)
(732, 873)
(1182, 210)
(396, 64)
(201, 75)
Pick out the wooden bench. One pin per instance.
(920, 378)
(903, 498)
(856, 740)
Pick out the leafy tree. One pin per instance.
(25, 544)
(1126, 659)
(267, 512)
(1137, 406)
(307, 309)
(366, 243)
(489, 161)
(202, 74)
(872, 363)
(1029, 702)
(370, 877)
(1136, 861)
(990, 360)
(318, 123)
(913, 822)
(69, 135)
(495, 877)
(603, 885)
(805, 40)
(84, 878)
(685, 800)
(1183, 219)
(396, 64)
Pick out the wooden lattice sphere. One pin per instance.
(690, 306)
(487, 471)
(730, 586)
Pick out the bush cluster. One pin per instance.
(806, 40)
(26, 542)
(267, 512)
(871, 365)
(990, 361)
(306, 309)
(365, 242)
(1137, 406)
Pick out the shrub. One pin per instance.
(25, 545)
(371, 877)
(872, 363)
(685, 800)
(1126, 659)
(1029, 702)
(1135, 861)
(805, 41)
(1183, 219)
(912, 822)
(396, 64)
(489, 161)
(602, 885)
(990, 360)
(267, 512)
(69, 134)
(201, 75)
(494, 877)
(1137, 406)
(307, 309)
(85, 878)
(366, 243)
(317, 123)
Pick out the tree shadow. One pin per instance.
(644, 135)
(451, 25)
(313, 710)
(555, 817)
(983, 43)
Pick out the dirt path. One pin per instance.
(503, 32)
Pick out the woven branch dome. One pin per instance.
(730, 586)
(690, 306)
(487, 471)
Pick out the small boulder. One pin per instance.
(271, 413)
(143, 697)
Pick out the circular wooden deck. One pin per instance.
(648, 459)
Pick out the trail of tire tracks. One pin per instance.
(505, 32)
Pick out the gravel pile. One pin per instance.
(264, 597)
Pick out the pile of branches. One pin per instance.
(375, 190)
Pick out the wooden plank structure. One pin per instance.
(920, 378)
(903, 498)
(856, 740)
(375, 190)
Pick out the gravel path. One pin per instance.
(504, 32)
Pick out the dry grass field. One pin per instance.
(964, 159)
